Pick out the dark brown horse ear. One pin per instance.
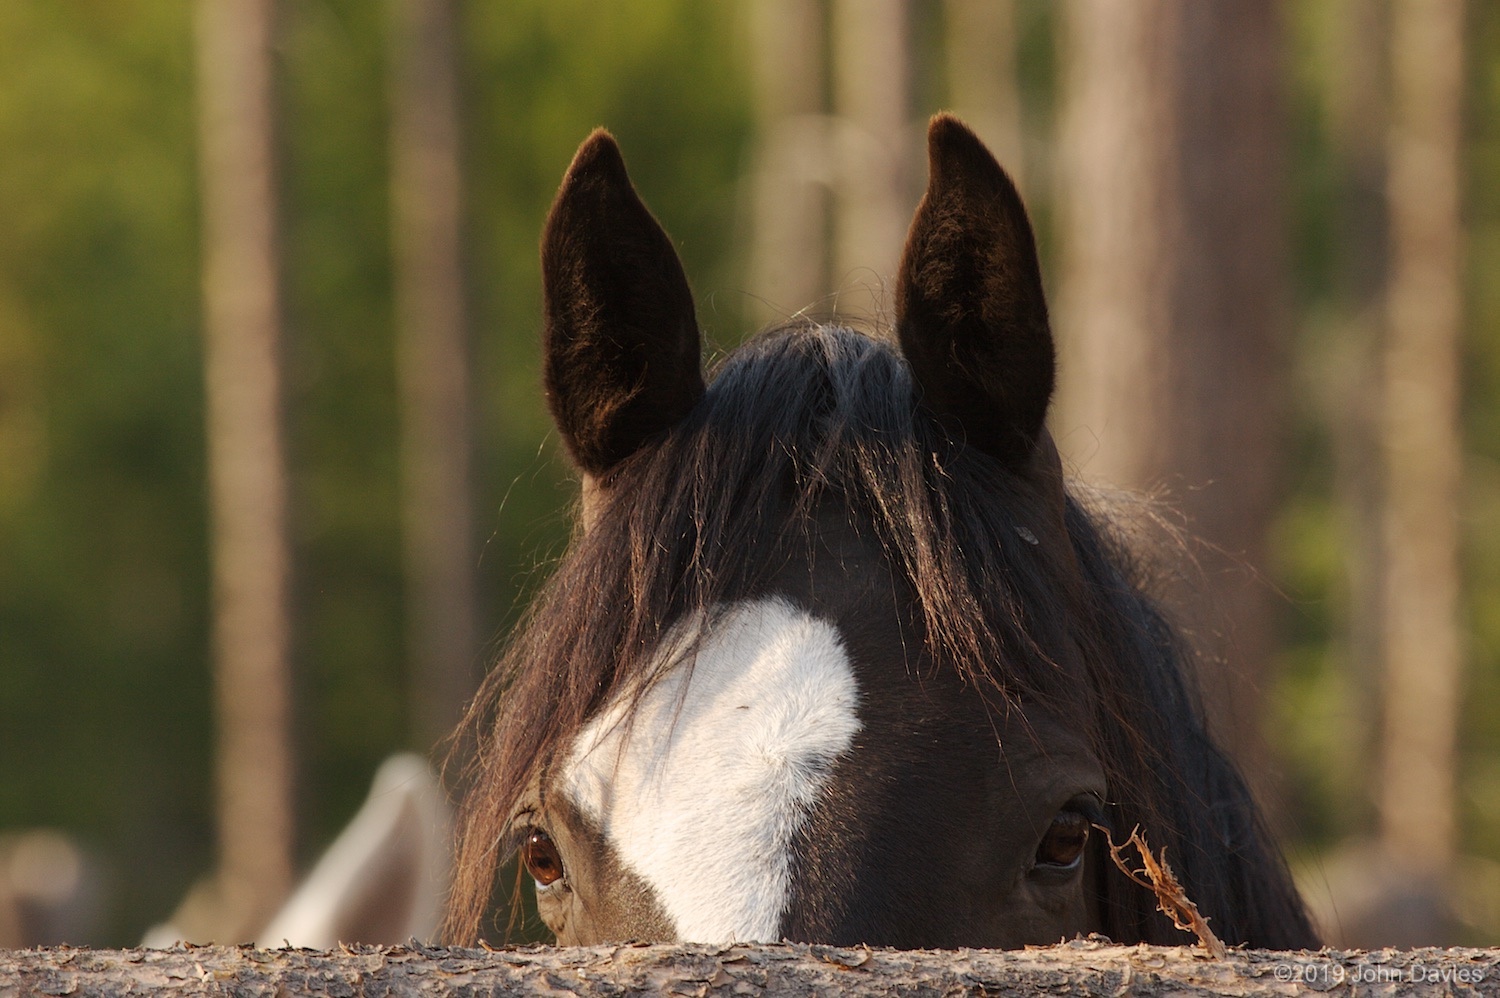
(970, 312)
(622, 352)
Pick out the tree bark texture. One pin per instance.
(247, 467)
(1421, 437)
(1076, 968)
(1170, 313)
(432, 352)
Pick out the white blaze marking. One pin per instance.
(701, 792)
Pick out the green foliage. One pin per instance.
(105, 724)
(1481, 513)
(1323, 714)
(103, 696)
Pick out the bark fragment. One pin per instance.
(1156, 876)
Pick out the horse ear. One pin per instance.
(970, 312)
(622, 352)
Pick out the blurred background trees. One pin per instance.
(433, 363)
(1222, 194)
(1171, 303)
(250, 539)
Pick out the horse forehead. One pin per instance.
(701, 782)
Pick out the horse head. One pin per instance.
(835, 654)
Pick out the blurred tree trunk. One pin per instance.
(793, 176)
(1171, 311)
(247, 473)
(1421, 442)
(432, 352)
(872, 101)
(980, 38)
(1352, 407)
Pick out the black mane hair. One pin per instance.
(1166, 774)
(808, 414)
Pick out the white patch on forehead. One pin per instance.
(701, 791)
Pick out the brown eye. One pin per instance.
(1064, 841)
(540, 857)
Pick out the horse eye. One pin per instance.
(540, 857)
(1064, 841)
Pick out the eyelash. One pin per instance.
(517, 831)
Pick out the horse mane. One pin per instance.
(1165, 772)
(804, 413)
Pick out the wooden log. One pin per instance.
(1081, 967)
